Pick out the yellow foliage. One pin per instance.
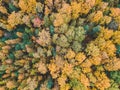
(70, 54)
(42, 68)
(105, 20)
(3, 10)
(58, 20)
(39, 7)
(100, 42)
(28, 6)
(110, 48)
(91, 77)
(26, 20)
(113, 64)
(62, 80)
(103, 81)
(93, 49)
(80, 57)
(117, 19)
(15, 19)
(86, 69)
(55, 66)
(104, 55)
(116, 37)
(53, 69)
(75, 74)
(47, 10)
(59, 61)
(115, 12)
(90, 2)
(105, 33)
(13, 41)
(103, 6)
(97, 1)
(2, 88)
(44, 38)
(100, 68)
(85, 7)
(106, 46)
(1, 33)
(66, 9)
(61, 18)
(65, 87)
(10, 84)
(67, 69)
(49, 3)
(76, 9)
(84, 80)
(95, 60)
(3, 21)
(97, 16)
(9, 27)
(86, 63)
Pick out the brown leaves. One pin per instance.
(113, 64)
(44, 38)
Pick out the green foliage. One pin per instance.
(25, 37)
(51, 29)
(3, 39)
(113, 88)
(95, 30)
(36, 32)
(115, 75)
(70, 34)
(22, 45)
(20, 28)
(28, 31)
(12, 7)
(47, 21)
(79, 34)
(11, 56)
(17, 47)
(118, 5)
(1, 73)
(2, 82)
(76, 46)
(63, 28)
(92, 49)
(14, 88)
(9, 35)
(2, 70)
(50, 83)
(61, 41)
(86, 28)
(16, 73)
(53, 51)
(118, 50)
(76, 85)
(113, 25)
(68, 29)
